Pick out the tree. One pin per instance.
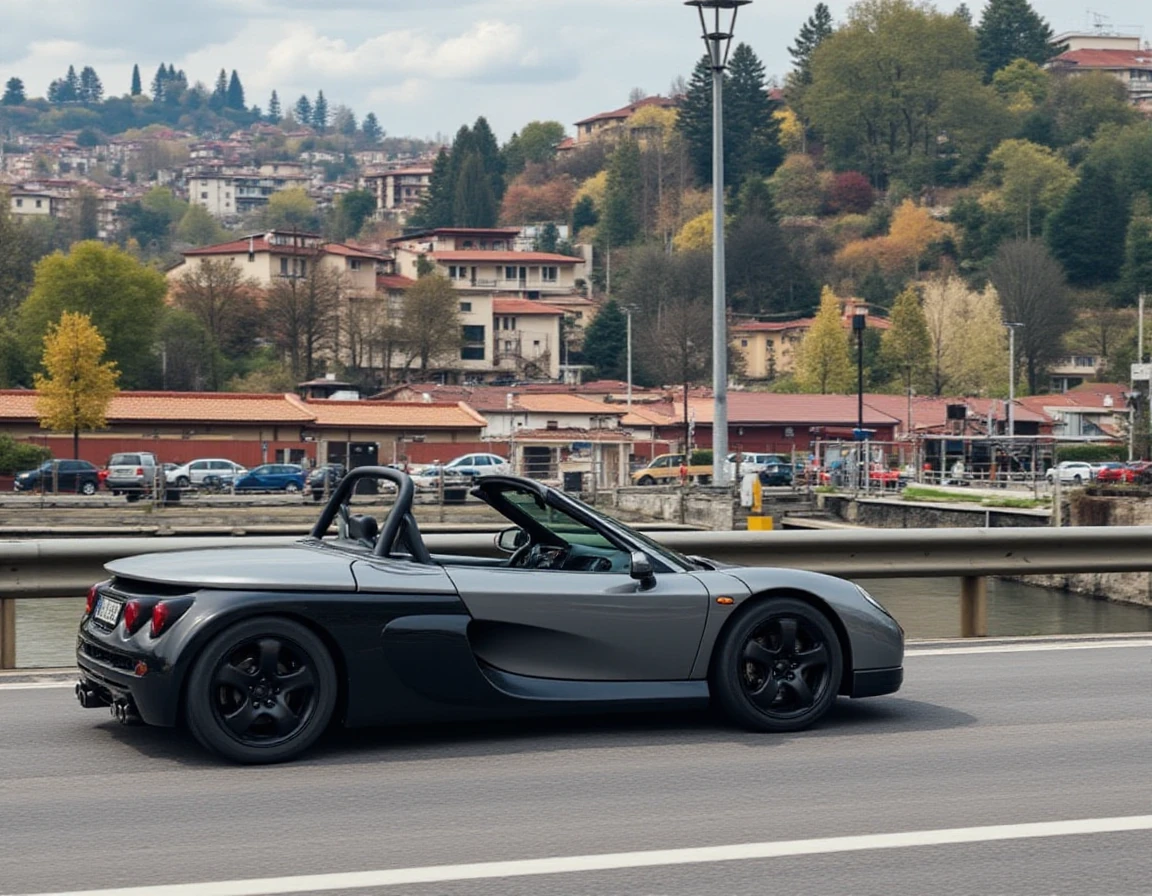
(197, 227)
(584, 214)
(274, 111)
(1023, 84)
(302, 314)
(371, 128)
(824, 364)
(18, 254)
(536, 142)
(320, 113)
(435, 209)
(906, 346)
(1032, 181)
(352, 210)
(223, 302)
(137, 88)
(344, 122)
(620, 218)
(969, 343)
(851, 193)
(234, 97)
(90, 91)
(473, 205)
(604, 342)
(1032, 291)
(1083, 104)
(484, 142)
(1136, 275)
(813, 32)
(122, 297)
(158, 81)
(77, 386)
(1009, 30)
(219, 98)
(796, 187)
(1086, 234)
(695, 121)
(528, 203)
(749, 119)
(429, 330)
(13, 93)
(303, 111)
(291, 209)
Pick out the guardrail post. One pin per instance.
(973, 607)
(7, 633)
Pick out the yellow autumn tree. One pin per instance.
(824, 363)
(78, 385)
(695, 235)
(969, 343)
(909, 235)
(791, 131)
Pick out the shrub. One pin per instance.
(851, 192)
(16, 456)
(1091, 454)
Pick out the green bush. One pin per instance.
(1091, 454)
(701, 457)
(16, 456)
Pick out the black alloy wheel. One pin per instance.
(779, 667)
(262, 691)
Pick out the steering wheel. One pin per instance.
(519, 558)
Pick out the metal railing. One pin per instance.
(67, 567)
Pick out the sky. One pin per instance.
(423, 66)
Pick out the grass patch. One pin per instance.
(825, 490)
(922, 493)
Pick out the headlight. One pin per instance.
(879, 606)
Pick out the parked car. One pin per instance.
(429, 477)
(664, 469)
(272, 478)
(193, 473)
(1136, 471)
(777, 474)
(258, 650)
(324, 479)
(477, 465)
(1072, 471)
(60, 476)
(132, 474)
(753, 462)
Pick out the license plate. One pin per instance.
(108, 610)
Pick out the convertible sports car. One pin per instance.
(258, 650)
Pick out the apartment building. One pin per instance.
(1123, 56)
(229, 193)
(398, 191)
(610, 124)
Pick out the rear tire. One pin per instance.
(778, 668)
(183, 482)
(291, 488)
(88, 488)
(646, 480)
(262, 691)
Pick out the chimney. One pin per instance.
(509, 401)
(251, 248)
(426, 397)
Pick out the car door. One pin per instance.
(66, 476)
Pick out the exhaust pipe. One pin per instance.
(89, 698)
(125, 713)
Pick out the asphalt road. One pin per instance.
(993, 735)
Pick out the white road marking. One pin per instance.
(36, 685)
(1025, 648)
(349, 880)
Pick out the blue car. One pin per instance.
(272, 478)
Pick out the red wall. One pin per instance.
(769, 438)
(177, 451)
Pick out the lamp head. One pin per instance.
(718, 25)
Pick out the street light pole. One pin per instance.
(718, 39)
(1012, 380)
(628, 311)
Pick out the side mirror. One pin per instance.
(511, 539)
(641, 569)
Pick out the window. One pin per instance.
(510, 273)
(465, 307)
(203, 194)
(284, 267)
(507, 323)
(354, 263)
(743, 343)
(536, 343)
(19, 203)
(39, 203)
(507, 345)
(549, 274)
(457, 272)
(473, 349)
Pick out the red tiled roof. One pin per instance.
(611, 436)
(393, 281)
(752, 408)
(524, 306)
(485, 255)
(396, 414)
(628, 111)
(183, 407)
(257, 244)
(350, 251)
(1106, 59)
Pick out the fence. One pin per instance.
(66, 567)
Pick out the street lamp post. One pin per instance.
(859, 324)
(1012, 380)
(628, 311)
(717, 24)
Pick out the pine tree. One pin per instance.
(1136, 275)
(620, 221)
(484, 141)
(137, 88)
(695, 120)
(371, 128)
(435, 210)
(824, 364)
(1086, 234)
(473, 204)
(274, 113)
(320, 113)
(235, 95)
(13, 93)
(749, 120)
(605, 341)
(812, 33)
(158, 81)
(1012, 29)
(303, 111)
(219, 98)
(91, 91)
(72, 85)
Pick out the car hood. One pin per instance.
(298, 567)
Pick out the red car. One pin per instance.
(1136, 471)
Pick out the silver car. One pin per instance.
(193, 472)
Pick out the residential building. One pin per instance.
(230, 193)
(767, 349)
(1091, 410)
(612, 124)
(398, 191)
(1073, 370)
(1121, 55)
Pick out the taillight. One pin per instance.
(90, 602)
(167, 612)
(139, 471)
(134, 614)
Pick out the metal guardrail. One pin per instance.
(67, 567)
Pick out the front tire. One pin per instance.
(291, 488)
(183, 482)
(88, 488)
(646, 480)
(778, 668)
(262, 691)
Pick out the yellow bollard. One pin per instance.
(760, 524)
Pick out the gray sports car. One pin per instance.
(258, 650)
